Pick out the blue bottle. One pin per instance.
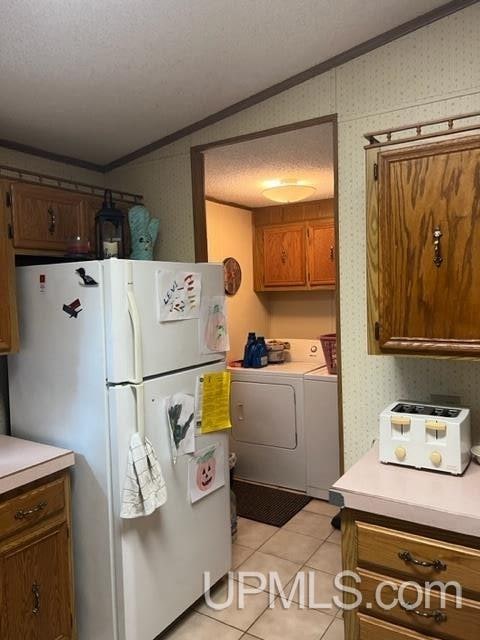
(260, 354)
(248, 351)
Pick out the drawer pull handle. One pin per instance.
(437, 615)
(36, 599)
(26, 513)
(438, 565)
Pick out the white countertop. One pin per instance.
(426, 497)
(23, 461)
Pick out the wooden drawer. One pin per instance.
(456, 623)
(373, 629)
(381, 547)
(32, 507)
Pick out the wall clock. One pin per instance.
(232, 273)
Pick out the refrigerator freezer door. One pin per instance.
(166, 346)
(160, 559)
(58, 396)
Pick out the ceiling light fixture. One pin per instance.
(286, 191)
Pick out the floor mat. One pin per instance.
(267, 504)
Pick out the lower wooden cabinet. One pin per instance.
(373, 629)
(36, 586)
(398, 567)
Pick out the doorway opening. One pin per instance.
(269, 201)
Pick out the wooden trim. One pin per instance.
(227, 203)
(198, 202)
(265, 133)
(341, 440)
(50, 155)
(372, 136)
(341, 58)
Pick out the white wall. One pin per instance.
(433, 72)
(300, 314)
(230, 233)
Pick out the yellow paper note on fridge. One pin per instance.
(215, 401)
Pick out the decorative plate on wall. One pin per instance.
(232, 276)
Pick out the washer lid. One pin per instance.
(283, 369)
(321, 375)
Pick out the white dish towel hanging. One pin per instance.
(144, 489)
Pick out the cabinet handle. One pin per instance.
(36, 599)
(437, 259)
(332, 253)
(52, 221)
(284, 256)
(437, 615)
(438, 565)
(26, 513)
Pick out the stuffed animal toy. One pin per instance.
(144, 230)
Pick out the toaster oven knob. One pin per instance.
(401, 453)
(436, 458)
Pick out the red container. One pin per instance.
(329, 346)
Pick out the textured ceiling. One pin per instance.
(239, 172)
(96, 79)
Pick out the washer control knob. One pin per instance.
(313, 349)
(400, 453)
(436, 458)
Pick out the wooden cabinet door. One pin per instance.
(44, 218)
(35, 589)
(429, 248)
(284, 256)
(321, 253)
(8, 307)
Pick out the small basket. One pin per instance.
(329, 346)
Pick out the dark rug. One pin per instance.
(267, 504)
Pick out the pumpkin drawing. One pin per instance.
(206, 470)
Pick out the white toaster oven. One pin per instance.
(426, 436)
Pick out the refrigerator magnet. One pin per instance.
(73, 308)
(87, 281)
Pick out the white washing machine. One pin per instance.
(267, 408)
(321, 432)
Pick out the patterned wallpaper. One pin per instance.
(432, 72)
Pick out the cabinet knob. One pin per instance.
(436, 458)
(400, 453)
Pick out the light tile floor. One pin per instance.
(307, 543)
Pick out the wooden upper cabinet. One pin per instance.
(294, 247)
(424, 264)
(8, 307)
(45, 218)
(283, 255)
(321, 253)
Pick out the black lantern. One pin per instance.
(110, 230)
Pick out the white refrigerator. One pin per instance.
(75, 384)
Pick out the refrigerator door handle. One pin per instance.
(137, 331)
(140, 410)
